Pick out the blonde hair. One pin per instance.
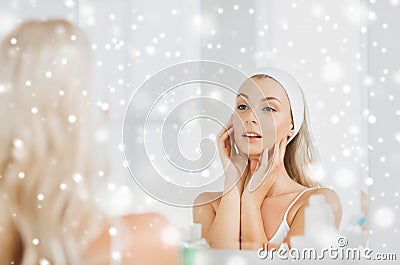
(301, 154)
(46, 148)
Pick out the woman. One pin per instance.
(47, 213)
(267, 185)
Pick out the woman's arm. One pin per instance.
(252, 227)
(149, 239)
(221, 229)
(251, 223)
(140, 239)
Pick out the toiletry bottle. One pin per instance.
(319, 226)
(354, 231)
(192, 241)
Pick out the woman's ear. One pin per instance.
(291, 132)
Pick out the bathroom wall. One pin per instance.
(383, 85)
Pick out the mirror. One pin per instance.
(138, 47)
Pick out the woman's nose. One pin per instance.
(251, 121)
(251, 118)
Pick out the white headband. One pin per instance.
(293, 91)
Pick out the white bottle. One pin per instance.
(354, 232)
(319, 225)
(191, 235)
(191, 243)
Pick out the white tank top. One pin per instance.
(284, 228)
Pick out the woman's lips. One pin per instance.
(252, 136)
(252, 139)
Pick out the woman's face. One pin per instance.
(262, 107)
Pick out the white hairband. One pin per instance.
(293, 91)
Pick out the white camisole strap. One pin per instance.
(284, 228)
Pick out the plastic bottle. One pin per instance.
(192, 241)
(354, 232)
(319, 225)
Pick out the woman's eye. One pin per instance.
(269, 109)
(242, 107)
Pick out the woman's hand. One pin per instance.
(264, 176)
(234, 165)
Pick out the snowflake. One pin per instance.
(71, 118)
(384, 217)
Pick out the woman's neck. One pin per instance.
(283, 183)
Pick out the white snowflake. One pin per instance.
(21, 175)
(371, 119)
(112, 231)
(332, 72)
(40, 197)
(71, 118)
(384, 217)
(35, 241)
(344, 178)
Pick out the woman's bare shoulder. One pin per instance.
(149, 232)
(208, 197)
(145, 218)
(330, 195)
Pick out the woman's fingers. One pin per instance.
(224, 129)
(223, 136)
(226, 142)
(264, 158)
(263, 177)
(279, 152)
(227, 126)
(283, 149)
(254, 164)
(260, 173)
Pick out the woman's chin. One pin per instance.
(253, 154)
(253, 150)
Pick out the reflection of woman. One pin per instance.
(46, 160)
(269, 128)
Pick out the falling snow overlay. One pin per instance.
(344, 54)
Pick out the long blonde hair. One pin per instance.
(45, 145)
(301, 153)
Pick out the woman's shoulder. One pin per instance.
(144, 218)
(145, 234)
(148, 230)
(330, 195)
(207, 197)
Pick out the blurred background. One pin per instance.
(344, 54)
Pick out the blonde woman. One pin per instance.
(267, 184)
(47, 210)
